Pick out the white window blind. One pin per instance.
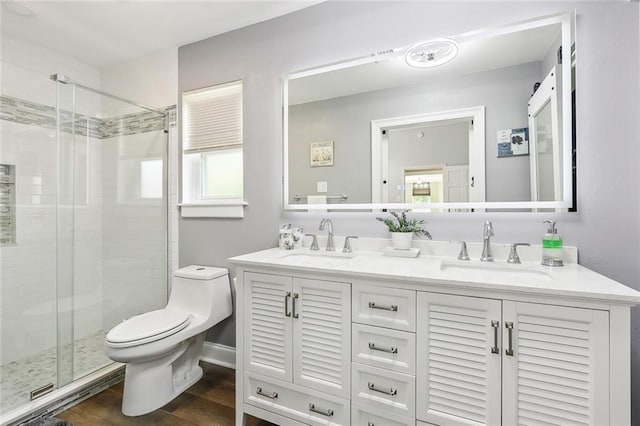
(212, 118)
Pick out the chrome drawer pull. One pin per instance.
(328, 412)
(495, 325)
(391, 391)
(287, 296)
(509, 326)
(370, 424)
(392, 308)
(391, 349)
(272, 395)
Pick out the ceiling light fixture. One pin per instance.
(431, 53)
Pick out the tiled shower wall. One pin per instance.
(28, 269)
(115, 240)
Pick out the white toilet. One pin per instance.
(162, 348)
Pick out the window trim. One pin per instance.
(193, 204)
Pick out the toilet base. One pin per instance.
(152, 384)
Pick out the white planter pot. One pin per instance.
(401, 240)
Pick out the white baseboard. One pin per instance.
(218, 354)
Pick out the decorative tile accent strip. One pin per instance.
(132, 124)
(172, 115)
(34, 114)
(25, 112)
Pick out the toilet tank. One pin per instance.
(202, 290)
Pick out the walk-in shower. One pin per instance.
(83, 237)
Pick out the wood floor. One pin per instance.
(209, 402)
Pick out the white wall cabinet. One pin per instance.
(318, 350)
(483, 360)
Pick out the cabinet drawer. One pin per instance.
(383, 306)
(385, 348)
(296, 402)
(387, 390)
(362, 415)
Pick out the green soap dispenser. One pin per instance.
(551, 246)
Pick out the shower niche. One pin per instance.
(7, 204)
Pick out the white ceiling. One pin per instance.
(103, 33)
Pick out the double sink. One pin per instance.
(478, 271)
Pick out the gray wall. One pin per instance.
(347, 121)
(606, 228)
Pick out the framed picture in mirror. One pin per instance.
(321, 154)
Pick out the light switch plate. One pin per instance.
(321, 186)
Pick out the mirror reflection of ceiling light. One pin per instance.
(431, 53)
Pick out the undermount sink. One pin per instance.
(483, 270)
(319, 258)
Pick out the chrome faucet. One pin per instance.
(330, 246)
(486, 243)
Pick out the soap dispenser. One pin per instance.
(551, 246)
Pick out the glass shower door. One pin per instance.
(112, 223)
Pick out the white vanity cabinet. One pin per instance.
(482, 360)
(364, 346)
(297, 351)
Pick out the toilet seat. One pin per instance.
(148, 327)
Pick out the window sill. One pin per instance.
(221, 209)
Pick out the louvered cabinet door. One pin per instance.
(558, 372)
(268, 328)
(458, 377)
(322, 336)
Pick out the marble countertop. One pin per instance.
(571, 280)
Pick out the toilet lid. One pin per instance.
(149, 327)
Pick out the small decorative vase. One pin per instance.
(286, 240)
(401, 240)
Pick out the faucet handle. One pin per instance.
(347, 243)
(464, 254)
(314, 242)
(513, 253)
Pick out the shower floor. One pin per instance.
(19, 378)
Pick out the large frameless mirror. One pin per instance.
(469, 122)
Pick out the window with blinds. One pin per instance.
(212, 146)
(212, 118)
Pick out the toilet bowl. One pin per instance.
(161, 348)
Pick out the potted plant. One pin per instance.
(403, 229)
